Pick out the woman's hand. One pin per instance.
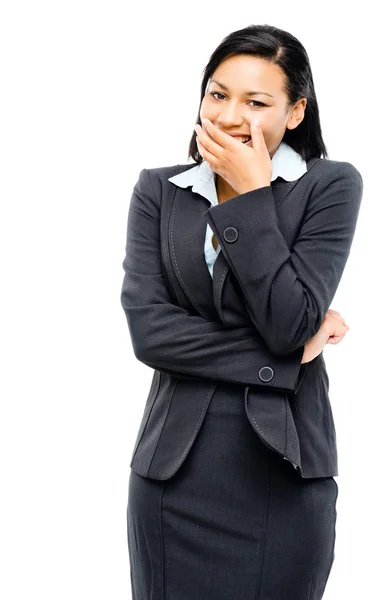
(244, 167)
(331, 331)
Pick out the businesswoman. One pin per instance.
(231, 265)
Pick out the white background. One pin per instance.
(93, 92)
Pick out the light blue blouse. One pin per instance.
(286, 163)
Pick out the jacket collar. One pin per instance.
(286, 162)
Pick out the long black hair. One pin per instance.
(280, 48)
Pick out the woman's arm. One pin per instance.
(287, 293)
(165, 337)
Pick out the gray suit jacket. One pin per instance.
(283, 251)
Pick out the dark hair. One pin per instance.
(283, 49)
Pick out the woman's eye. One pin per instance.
(256, 101)
(212, 94)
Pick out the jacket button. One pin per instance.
(230, 234)
(266, 374)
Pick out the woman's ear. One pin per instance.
(297, 114)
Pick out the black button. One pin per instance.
(266, 374)
(230, 234)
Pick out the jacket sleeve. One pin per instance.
(167, 338)
(288, 292)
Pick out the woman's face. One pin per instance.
(228, 105)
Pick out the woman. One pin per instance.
(230, 269)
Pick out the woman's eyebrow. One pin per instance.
(224, 87)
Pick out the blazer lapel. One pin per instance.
(187, 227)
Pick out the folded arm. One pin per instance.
(167, 338)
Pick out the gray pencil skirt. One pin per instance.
(235, 522)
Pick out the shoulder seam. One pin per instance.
(151, 186)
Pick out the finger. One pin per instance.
(220, 137)
(258, 140)
(339, 331)
(333, 314)
(208, 142)
(337, 316)
(206, 155)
